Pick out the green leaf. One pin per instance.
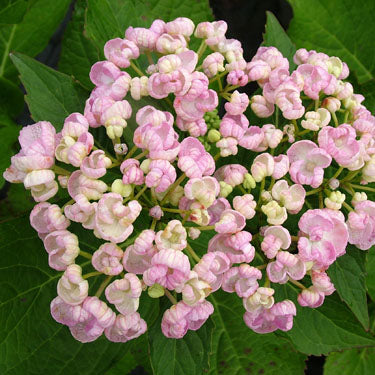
(238, 350)
(348, 276)
(32, 34)
(78, 53)
(12, 11)
(31, 341)
(342, 28)
(276, 36)
(186, 356)
(8, 135)
(351, 362)
(331, 327)
(51, 95)
(107, 19)
(17, 202)
(370, 268)
(11, 98)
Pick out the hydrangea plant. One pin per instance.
(209, 191)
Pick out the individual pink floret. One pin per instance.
(236, 247)
(281, 167)
(46, 218)
(361, 225)
(215, 210)
(211, 268)
(242, 280)
(199, 314)
(144, 38)
(213, 64)
(212, 32)
(132, 173)
(95, 165)
(62, 248)
(136, 261)
(67, 314)
(287, 98)
(161, 175)
(232, 174)
(181, 25)
(195, 128)
(161, 141)
(204, 190)
(279, 316)
(263, 166)
(113, 220)
(174, 323)
(291, 197)
(100, 316)
(126, 327)
(275, 238)
(82, 211)
(286, 265)
(172, 237)
(230, 221)
(151, 115)
(245, 205)
(120, 51)
(194, 290)
(307, 163)
(71, 287)
(107, 259)
(124, 293)
(79, 184)
(324, 236)
(194, 160)
(169, 268)
(340, 143)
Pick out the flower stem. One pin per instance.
(103, 286)
(85, 254)
(59, 170)
(207, 227)
(135, 67)
(192, 253)
(140, 192)
(91, 274)
(201, 49)
(347, 206)
(296, 283)
(175, 210)
(314, 191)
(131, 152)
(337, 174)
(362, 187)
(170, 296)
(141, 155)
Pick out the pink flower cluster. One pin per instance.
(148, 203)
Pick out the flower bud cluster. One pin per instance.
(148, 198)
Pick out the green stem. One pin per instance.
(349, 208)
(207, 227)
(135, 67)
(362, 187)
(296, 283)
(335, 119)
(59, 170)
(175, 210)
(141, 155)
(140, 192)
(131, 152)
(85, 254)
(337, 174)
(192, 253)
(170, 296)
(314, 191)
(201, 49)
(91, 274)
(103, 285)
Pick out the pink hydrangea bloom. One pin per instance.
(291, 197)
(204, 190)
(236, 247)
(194, 160)
(230, 221)
(198, 314)
(237, 104)
(307, 163)
(275, 238)
(211, 268)
(71, 287)
(107, 259)
(169, 268)
(287, 98)
(174, 323)
(340, 143)
(99, 317)
(62, 248)
(286, 265)
(113, 220)
(124, 293)
(194, 290)
(95, 165)
(279, 316)
(79, 184)
(261, 107)
(172, 237)
(215, 210)
(245, 205)
(161, 141)
(46, 218)
(66, 314)
(361, 225)
(242, 280)
(213, 64)
(195, 128)
(120, 51)
(161, 175)
(82, 211)
(42, 184)
(212, 32)
(132, 173)
(281, 166)
(232, 174)
(126, 327)
(324, 236)
(151, 115)
(137, 261)
(263, 166)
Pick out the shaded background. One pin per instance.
(246, 20)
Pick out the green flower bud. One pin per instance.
(155, 291)
(123, 189)
(248, 182)
(225, 189)
(213, 136)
